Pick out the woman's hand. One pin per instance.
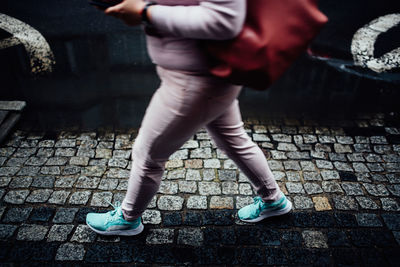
(128, 11)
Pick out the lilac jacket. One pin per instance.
(181, 23)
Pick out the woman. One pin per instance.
(188, 98)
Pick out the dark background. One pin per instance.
(103, 76)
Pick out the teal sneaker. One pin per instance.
(113, 223)
(260, 210)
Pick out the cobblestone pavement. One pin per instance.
(343, 177)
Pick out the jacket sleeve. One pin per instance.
(211, 19)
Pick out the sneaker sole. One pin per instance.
(271, 213)
(131, 232)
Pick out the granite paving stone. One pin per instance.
(230, 165)
(41, 214)
(322, 148)
(200, 153)
(119, 198)
(193, 175)
(197, 202)
(318, 154)
(209, 188)
(31, 232)
(187, 186)
(368, 220)
(218, 202)
(314, 239)
(43, 182)
(337, 238)
(168, 187)
(292, 239)
(194, 163)
(16, 162)
(355, 157)
(21, 182)
(345, 203)
(118, 173)
(227, 175)
(79, 161)
(170, 203)
(245, 189)
(5, 181)
(64, 152)
(352, 189)
(16, 196)
(278, 155)
(45, 152)
(190, 236)
(8, 171)
(307, 166)
(65, 215)
(292, 165)
(295, 188)
(275, 165)
(98, 162)
(46, 143)
(376, 189)
(96, 171)
(302, 202)
(65, 182)
(243, 201)
(53, 170)
(71, 170)
(230, 188)
(123, 154)
(59, 232)
(331, 187)
(101, 199)
(172, 219)
(390, 204)
(122, 185)
(14, 215)
(39, 196)
(321, 203)
(7, 231)
(394, 189)
(367, 203)
(175, 163)
(296, 177)
(160, 236)
(313, 188)
(79, 198)
(282, 138)
(87, 182)
(70, 252)
(151, 217)
(393, 178)
(83, 234)
(179, 174)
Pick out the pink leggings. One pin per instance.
(183, 104)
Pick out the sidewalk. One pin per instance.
(343, 178)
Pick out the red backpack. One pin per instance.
(275, 33)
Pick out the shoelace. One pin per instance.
(111, 214)
(257, 205)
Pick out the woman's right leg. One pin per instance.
(228, 133)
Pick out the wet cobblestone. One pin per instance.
(343, 180)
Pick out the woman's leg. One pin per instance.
(228, 133)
